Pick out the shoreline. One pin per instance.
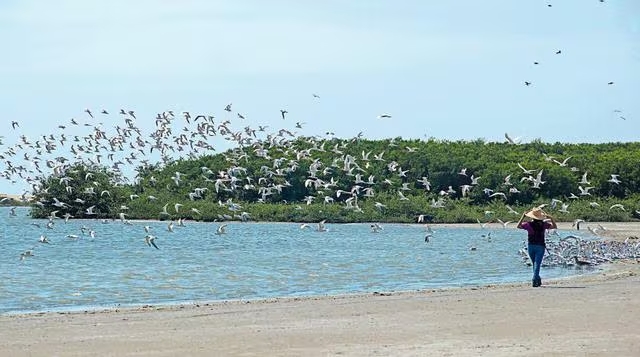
(587, 314)
(592, 314)
(601, 269)
(615, 232)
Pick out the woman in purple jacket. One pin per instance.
(536, 230)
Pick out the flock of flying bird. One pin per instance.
(188, 135)
(128, 146)
(619, 113)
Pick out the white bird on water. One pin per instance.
(221, 229)
(376, 227)
(321, 227)
(26, 254)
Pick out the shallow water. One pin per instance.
(253, 260)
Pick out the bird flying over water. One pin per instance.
(151, 240)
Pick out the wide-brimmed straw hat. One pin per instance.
(536, 213)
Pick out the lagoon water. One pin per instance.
(253, 260)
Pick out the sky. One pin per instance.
(451, 70)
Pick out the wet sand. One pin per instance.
(595, 315)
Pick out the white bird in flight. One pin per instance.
(151, 240)
(221, 229)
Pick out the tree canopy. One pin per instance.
(356, 180)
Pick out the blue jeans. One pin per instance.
(536, 252)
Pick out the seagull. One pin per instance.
(59, 203)
(593, 231)
(164, 210)
(563, 163)
(321, 227)
(89, 211)
(482, 225)
(581, 262)
(26, 254)
(504, 224)
(427, 237)
(151, 240)
(511, 140)
(525, 171)
(511, 210)
(584, 181)
(584, 191)
(613, 179)
(221, 229)
(283, 112)
(44, 239)
(384, 116)
(576, 223)
(380, 206)
(376, 227)
(618, 206)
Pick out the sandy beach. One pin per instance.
(595, 314)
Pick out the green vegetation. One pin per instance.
(308, 180)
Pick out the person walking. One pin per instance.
(536, 230)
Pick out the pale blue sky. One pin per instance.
(444, 69)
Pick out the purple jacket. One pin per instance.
(532, 236)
